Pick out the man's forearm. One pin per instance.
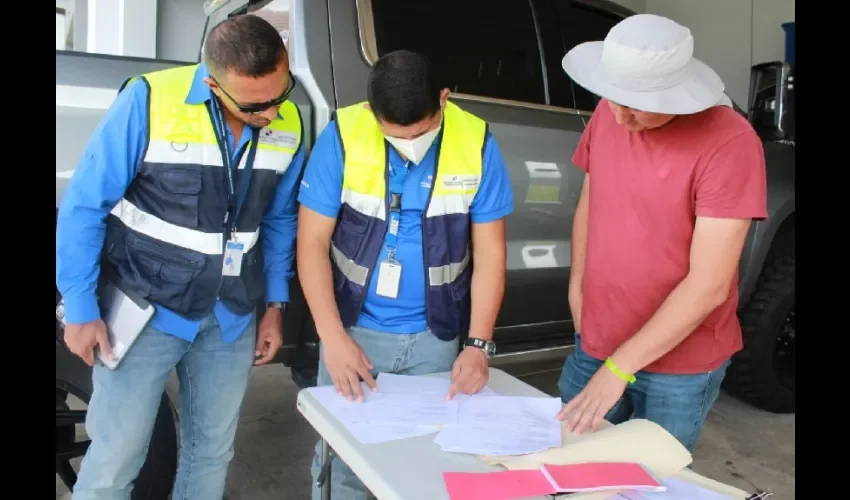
(314, 268)
(488, 288)
(683, 310)
(279, 229)
(80, 232)
(278, 247)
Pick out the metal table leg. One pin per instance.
(324, 479)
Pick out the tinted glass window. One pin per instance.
(476, 48)
(577, 23)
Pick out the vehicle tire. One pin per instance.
(763, 372)
(73, 377)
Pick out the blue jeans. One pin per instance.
(408, 354)
(213, 378)
(678, 403)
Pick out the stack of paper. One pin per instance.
(549, 480)
(406, 406)
(504, 425)
(391, 383)
(386, 417)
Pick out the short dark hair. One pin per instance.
(246, 44)
(403, 88)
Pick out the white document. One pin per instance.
(496, 441)
(503, 425)
(486, 423)
(511, 411)
(385, 417)
(391, 383)
(677, 489)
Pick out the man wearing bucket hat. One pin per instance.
(677, 177)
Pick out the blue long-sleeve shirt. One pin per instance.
(104, 173)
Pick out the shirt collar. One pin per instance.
(200, 93)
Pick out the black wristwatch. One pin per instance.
(283, 306)
(488, 346)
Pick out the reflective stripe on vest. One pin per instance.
(363, 220)
(165, 237)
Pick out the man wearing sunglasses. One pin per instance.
(187, 192)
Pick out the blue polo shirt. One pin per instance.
(104, 173)
(321, 191)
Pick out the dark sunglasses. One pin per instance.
(259, 107)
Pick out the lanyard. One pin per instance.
(234, 204)
(397, 178)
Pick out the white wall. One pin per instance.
(732, 35)
(768, 35)
(179, 29)
(180, 26)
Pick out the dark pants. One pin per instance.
(678, 403)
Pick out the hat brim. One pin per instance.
(700, 89)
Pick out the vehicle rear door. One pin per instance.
(502, 62)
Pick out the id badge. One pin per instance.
(233, 258)
(389, 276)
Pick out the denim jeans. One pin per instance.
(213, 378)
(678, 403)
(408, 354)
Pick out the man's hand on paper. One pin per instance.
(347, 363)
(469, 373)
(589, 407)
(82, 338)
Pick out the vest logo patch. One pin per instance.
(461, 181)
(278, 138)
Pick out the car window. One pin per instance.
(576, 23)
(476, 49)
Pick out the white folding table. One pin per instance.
(407, 469)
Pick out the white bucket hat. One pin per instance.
(646, 63)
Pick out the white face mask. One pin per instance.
(415, 149)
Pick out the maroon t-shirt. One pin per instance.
(646, 191)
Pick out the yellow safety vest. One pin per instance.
(362, 225)
(166, 236)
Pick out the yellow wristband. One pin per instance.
(619, 373)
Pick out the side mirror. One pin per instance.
(771, 103)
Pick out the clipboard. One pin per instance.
(126, 314)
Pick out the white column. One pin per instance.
(122, 27)
(60, 31)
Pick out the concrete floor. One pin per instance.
(740, 445)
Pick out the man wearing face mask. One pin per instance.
(400, 196)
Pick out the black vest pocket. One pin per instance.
(165, 273)
(182, 186)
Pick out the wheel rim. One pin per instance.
(67, 446)
(785, 362)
